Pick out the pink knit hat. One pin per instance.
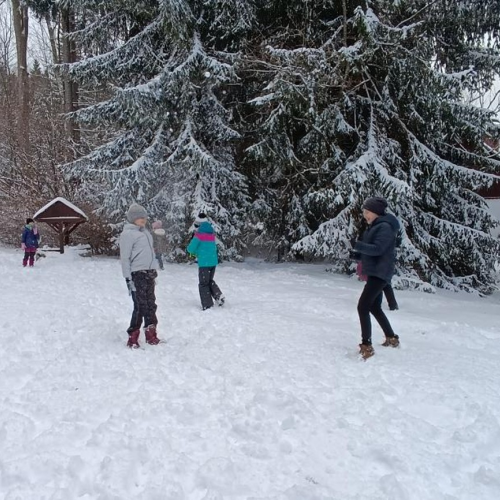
(156, 224)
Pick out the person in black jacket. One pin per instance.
(390, 296)
(377, 252)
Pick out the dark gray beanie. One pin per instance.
(136, 212)
(377, 205)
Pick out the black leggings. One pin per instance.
(371, 302)
(390, 297)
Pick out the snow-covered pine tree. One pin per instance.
(293, 76)
(170, 145)
(375, 106)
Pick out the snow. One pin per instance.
(263, 399)
(494, 206)
(62, 200)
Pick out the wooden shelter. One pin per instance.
(63, 217)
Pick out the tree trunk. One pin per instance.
(344, 11)
(20, 20)
(52, 37)
(70, 87)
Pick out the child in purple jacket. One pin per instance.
(29, 242)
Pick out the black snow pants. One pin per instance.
(144, 299)
(208, 288)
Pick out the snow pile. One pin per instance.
(264, 399)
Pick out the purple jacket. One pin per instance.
(29, 238)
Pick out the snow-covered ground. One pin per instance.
(263, 399)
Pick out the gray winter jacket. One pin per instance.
(136, 250)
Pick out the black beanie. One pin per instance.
(202, 217)
(29, 221)
(377, 205)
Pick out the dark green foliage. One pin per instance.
(304, 108)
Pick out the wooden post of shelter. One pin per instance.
(63, 217)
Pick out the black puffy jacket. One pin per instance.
(377, 247)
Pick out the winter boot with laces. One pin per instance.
(391, 341)
(151, 337)
(133, 338)
(366, 351)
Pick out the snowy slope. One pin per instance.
(264, 399)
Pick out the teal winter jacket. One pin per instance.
(203, 246)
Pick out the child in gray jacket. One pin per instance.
(139, 267)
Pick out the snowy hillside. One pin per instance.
(264, 399)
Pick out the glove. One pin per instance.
(354, 255)
(23, 246)
(130, 286)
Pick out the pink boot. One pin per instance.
(133, 338)
(151, 337)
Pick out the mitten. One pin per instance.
(23, 246)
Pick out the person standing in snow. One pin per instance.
(204, 248)
(29, 242)
(159, 242)
(377, 252)
(139, 267)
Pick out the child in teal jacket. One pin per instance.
(204, 248)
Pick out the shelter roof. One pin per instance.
(60, 209)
